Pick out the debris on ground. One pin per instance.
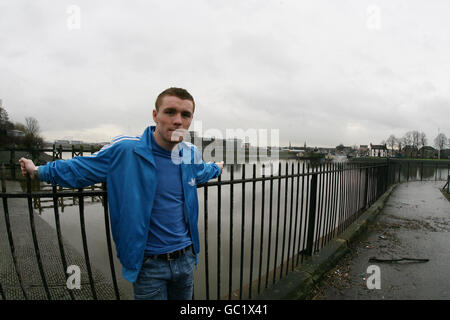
(374, 259)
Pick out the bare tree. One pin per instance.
(32, 133)
(399, 142)
(32, 127)
(423, 139)
(408, 139)
(440, 142)
(391, 142)
(415, 138)
(422, 142)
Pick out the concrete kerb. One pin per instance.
(298, 284)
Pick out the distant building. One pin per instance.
(15, 133)
(378, 150)
(74, 142)
(342, 150)
(363, 150)
(410, 151)
(428, 152)
(445, 154)
(62, 142)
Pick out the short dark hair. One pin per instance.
(181, 93)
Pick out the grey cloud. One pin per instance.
(313, 70)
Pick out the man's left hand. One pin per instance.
(220, 165)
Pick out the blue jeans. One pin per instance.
(166, 279)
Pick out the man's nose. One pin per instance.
(177, 119)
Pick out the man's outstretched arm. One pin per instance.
(74, 173)
(206, 171)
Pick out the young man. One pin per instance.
(152, 194)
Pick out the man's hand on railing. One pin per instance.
(220, 165)
(27, 166)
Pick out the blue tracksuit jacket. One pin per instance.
(128, 167)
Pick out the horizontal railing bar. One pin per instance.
(50, 195)
(50, 149)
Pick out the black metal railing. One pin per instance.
(55, 196)
(291, 214)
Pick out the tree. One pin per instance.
(20, 126)
(408, 138)
(422, 139)
(5, 124)
(32, 127)
(440, 142)
(32, 133)
(411, 138)
(391, 141)
(3, 115)
(422, 142)
(399, 142)
(415, 138)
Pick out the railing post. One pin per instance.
(386, 177)
(421, 172)
(34, 155)
(312, 214)
(12, 162)
(407, 174)
(366, 187)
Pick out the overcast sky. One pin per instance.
(324, 72)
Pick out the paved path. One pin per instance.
(50, 255)
(415, 223)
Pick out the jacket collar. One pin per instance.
(144, 145)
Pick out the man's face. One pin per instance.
(173, 117)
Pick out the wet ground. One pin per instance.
(415, 224)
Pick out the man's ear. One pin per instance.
(154, 115)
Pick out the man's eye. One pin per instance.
(169, 112)
(186, 115)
